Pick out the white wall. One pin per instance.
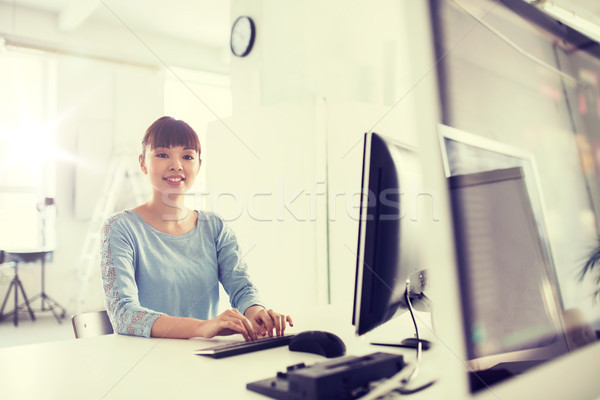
(319, 81)
(115, 42)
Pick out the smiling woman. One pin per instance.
(171, 155)
(162, 262)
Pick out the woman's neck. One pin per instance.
(172, 218)
(168, 208)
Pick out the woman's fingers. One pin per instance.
(234, 320)
(267, 321)
(248, 327)
(279, 324)
(278, 321)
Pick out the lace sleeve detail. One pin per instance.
(120, 288)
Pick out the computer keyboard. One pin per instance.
(232, 349)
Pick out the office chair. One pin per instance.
(91, 324)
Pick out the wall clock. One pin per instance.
(243, 33)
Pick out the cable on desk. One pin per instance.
(398, 383)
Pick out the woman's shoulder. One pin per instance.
(211, 220)
(120, 220)
(219, 229)
(209, 217)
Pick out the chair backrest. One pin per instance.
(90, 324)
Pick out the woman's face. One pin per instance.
(171, 170)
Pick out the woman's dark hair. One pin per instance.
(168, 132)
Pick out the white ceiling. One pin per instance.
(198, 21)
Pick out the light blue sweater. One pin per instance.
(147, 273)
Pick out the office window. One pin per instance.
(27, 150)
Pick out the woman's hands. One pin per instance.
(264, 321)
(256, 321)
(228, 323)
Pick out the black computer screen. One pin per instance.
(510, 307)
(388, 234)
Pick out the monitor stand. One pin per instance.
(406, 325)
(409, 343)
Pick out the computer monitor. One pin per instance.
(511, 313)
(388, 238)
(466, 153)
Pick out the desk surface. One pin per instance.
(124, 367)
(117, 367)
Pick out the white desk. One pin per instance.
(123, 367)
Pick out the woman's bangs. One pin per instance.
(176, 135)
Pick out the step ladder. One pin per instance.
(123, 176)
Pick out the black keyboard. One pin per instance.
(233, 349)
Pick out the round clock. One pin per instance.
(242, 36)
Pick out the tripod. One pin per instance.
(15, 285)
(47, 215)
(48, 303)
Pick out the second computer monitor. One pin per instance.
(511, 312)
